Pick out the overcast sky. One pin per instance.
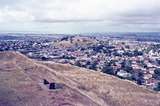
(79, 16)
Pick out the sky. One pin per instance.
(79, 16)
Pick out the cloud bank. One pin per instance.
(108, 15)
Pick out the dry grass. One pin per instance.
(109, 90)
(83, 87)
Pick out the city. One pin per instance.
(79, 53)
(137, 61)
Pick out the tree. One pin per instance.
(140, 81)
(138, 53)
(127, 66)
(108, 69)
(138, 77)
(93, 65)
(157, 73)
(77, 63)
(157, 88)
(44, 58)
(158, 61)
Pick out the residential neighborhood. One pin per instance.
(127, 59)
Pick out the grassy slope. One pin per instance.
(21, 77)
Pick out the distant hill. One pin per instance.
(22, 84)
(9, 37)
(70, 41)
(135, 36)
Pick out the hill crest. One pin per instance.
(22, 81)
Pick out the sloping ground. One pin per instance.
(21, 85)
(106, 89)
(75, 41)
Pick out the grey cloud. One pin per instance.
(82, 12)
(69, 21)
